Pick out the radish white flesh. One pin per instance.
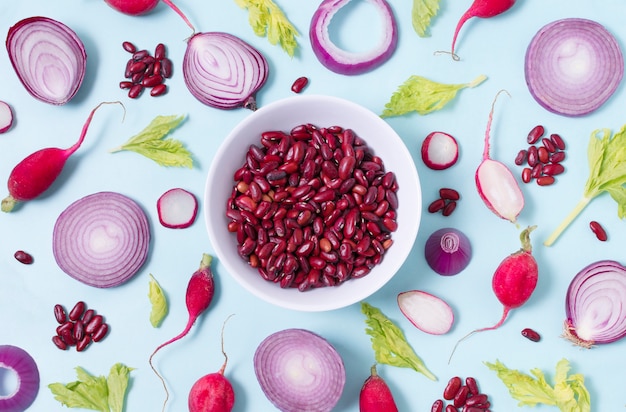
(426, 312)
(177, 208)
(439, 150)
(6, 117)
(496, 184)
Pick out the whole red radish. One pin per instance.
(482, 9)
(213, 392)
(514, 281)
(200, 291)
(36, 173)
(133, 7)
(496, 183)
(375, 395)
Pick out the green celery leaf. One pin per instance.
(390, 344)
(117, 383)
(422, 14)
(568, 393)
(158, 301)
(267, 19)
(151, 142)
(424, 96)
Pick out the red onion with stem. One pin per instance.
(221, 70)
(48, 57)
(448, 251)
(595, 304)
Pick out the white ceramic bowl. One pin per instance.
(322, 111)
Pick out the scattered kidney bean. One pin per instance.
(598, 230)
(531, 334)
(24, 257)
(542, 158)
(453, 386)
(464, 397)
(145, 71)
(311, 184)
(80, 328)
(437, 406)
(449, 208)
(299, 84)
(446, 203)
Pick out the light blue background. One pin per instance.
(492, 47)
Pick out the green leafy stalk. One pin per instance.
(424, 96)
(606, 155)
(422, 13)
(158, 302)
(151, 142)
(267, 19)
(569, 393)
(96, 393)
(390, 344)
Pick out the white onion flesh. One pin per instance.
(23, 365)
(595, 304)
(573, 66)
(223, 71)
(102, 239)
(351, 63)
(48, 57)
(299, 371)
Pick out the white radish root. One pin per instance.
(495, 182)
(6, 117)
(177, 208)
(426, 312)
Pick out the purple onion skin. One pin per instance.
(444, 262)
(320, 22)
(598, 268)
(70, 38)
(28, 374)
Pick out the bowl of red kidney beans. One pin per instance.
(312, 203)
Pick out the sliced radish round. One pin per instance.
(6, 117)
(439, 150)
(177, 208)
(427, 312)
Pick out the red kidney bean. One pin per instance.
(451, 408)
(476, 400)
(59, 314)
(526, 174)
(79, 330)
(471, 383)
(535, 134)
(58, 341)
(66, 327)
(159, 51)
(549, 145)
(24, 257)
(476, 409)
(299, 84)
(100, 333)
(451, 389)
(545, 180)
(135, 91)
(558, 141)
(94, 324)
(449, 194)
(533, 156)
(461, 396)
(531, 334)
(129, 47)
(437, 406)
(436, 205)
(521, 157)
(82, 344)
(146, 71)
(77, 311)
(543, 154)
(598, 230)
(158, 90)
(536, 171)
(553, 169)
(449, 208)
(557, 157)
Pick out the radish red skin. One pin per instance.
(482, 9)
(212, 393)
(133, 7)
(375, 395)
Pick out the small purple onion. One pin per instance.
(19, 361)
(448, 251)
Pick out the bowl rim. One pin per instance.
(310, 305)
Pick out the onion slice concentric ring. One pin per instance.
(573, 66)
(101, 239)
(299, 371)
(48, 57)
(19, 361)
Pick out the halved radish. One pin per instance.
(427, 312)
(177, 208)
(439, 150)
(6, 117)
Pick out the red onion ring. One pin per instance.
(48, 58)
(299, 371)
(573, 66)
(223, 71)
(344, 62)
(595, 304)
(19, 361)
(101, 239)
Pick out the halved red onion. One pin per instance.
(23, 365)
(595, 304)
(345, 62)
(299, 371)
(101, 239)
(48, 57)
(573, 66)
(223, 71)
